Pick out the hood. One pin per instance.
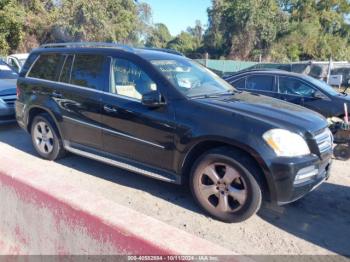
(276, 112)
(7, 87)
(343, 98)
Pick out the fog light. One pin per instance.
(305, 174)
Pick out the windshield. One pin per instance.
(323, 85)
(6, 72)
(191, 78)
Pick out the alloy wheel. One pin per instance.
(222, 187)
(43, 137)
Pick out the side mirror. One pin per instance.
(152, 99)
(319, 95)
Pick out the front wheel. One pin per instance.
(224, 187)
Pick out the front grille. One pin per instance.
(324, 140)
(9, 100)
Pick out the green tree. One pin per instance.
(197, 32)
(159, 36)
(245, 28)
(318, 30)
(40, 16)
(109, 20)
(143, 27)
(184, 43)
(11, 26)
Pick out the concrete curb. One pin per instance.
(42, 215)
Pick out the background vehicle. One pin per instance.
(17, 60)
(8, 79)
(165, 116)
(294, 88)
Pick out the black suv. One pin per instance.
(164, 116)
(294, 88)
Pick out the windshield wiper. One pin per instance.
(344, 92)
(232, 92)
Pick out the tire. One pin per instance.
(342, 152)
(223, 184)
(46, 139)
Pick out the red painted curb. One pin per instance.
(42, 215)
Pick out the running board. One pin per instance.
(120, 164)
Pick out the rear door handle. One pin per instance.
(110, 109)
(57, 94)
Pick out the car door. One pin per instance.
(262, 84)
(293, 90)
(78, 94)
(130, 129)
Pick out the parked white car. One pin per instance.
(16, 61)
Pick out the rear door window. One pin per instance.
(66, 69)
(261, 83)
(240, 84)
(91, 71)
(46, 67)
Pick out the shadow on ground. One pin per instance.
(322, 217)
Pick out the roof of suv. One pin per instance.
(147, 53)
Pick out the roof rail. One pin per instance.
(87, 44)
(166, 50)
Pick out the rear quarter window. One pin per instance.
(46, 67)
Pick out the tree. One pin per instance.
(159, 36)
(11, 26)
(213, 37)
(143, 26)
(197, 33)
(244, 28)
(109, 20)
(318, 30)
(39, 19)
(281, 30)
(184, 43)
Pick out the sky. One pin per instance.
(177, 15)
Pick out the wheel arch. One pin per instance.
(36, 110)
(205, 145)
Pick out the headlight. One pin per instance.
(285, 143)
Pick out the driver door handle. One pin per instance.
(110, 109)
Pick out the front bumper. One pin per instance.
(284, 172)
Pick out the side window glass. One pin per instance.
(66, 69)
(291, 86)
(240, 84)
(260, 82)
(129, 80)
(46, 67)
(91, 71)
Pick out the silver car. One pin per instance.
(8, 79)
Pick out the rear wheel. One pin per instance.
(224, 187)
(45, 138)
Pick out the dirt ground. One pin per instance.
(316, 224)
